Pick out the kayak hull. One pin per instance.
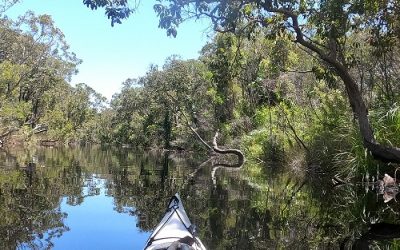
(175, 228)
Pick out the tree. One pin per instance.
(222, 57)
(115, 9)
(35, 58)
(72, 113)
(35, 65)
(6, 4)
(322, 28)
(156, 107)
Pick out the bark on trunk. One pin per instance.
(381, 152)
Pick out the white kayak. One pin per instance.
(175, 231)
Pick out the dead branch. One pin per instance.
(236, 152)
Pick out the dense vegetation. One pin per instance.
(35, 95)
(286, 210)
(297, 87)
(270, 85)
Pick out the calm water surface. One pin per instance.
(94, 198)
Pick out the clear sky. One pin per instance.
(112, 54)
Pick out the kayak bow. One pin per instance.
(175, 231)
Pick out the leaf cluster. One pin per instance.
(116, 10)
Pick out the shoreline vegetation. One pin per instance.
(264, 94)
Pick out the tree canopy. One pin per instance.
(270, 65)
(36, 64)
(321, 28)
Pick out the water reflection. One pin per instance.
(92, 198)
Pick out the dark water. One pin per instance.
(93, 198)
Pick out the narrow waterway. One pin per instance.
(102, 198)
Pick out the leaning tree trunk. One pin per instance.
(382, 152)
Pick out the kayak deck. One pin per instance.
(174, 230)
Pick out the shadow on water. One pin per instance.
(281, 209)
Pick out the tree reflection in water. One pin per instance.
(275, 208)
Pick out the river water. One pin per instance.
(97, 198)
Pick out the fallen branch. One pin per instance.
(199, 137)
(236, 152)
(215, 147)
(218, 150)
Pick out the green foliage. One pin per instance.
(335, 143)
(72, 113)
(323, 28)
(14, 114)
(224, 59)
(33, 85)
(155, 110)
(387, 124)
(116, 10)
(255, 85)
(273, 152)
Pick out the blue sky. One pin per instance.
(112, 54)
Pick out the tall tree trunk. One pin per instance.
(167, 127)
(381, 152)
